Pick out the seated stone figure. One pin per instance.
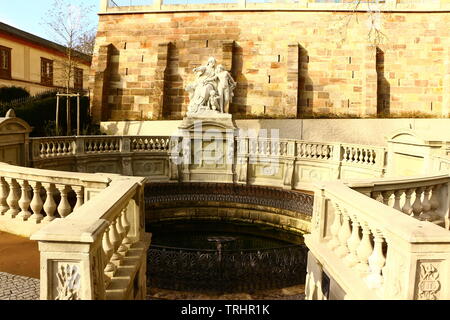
(200, 90)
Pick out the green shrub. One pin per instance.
(8, 94)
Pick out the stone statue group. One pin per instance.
(213, 89)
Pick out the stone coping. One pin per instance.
(301, 5)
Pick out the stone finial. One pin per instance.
(10, 114)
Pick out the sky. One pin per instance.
(28, 15)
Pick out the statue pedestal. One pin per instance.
(208, 148)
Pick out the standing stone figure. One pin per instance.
(226, 88)
(212, 91)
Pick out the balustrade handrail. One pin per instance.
(384, 218)
(52, 176)
(91, 220)
(388, 184)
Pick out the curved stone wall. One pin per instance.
(282, 209)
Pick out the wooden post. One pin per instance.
(69, 125)
(57, 113)
(78, 114)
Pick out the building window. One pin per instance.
(78, 79)
(47, 72)
(5, 62)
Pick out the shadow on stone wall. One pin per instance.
(305, 99)
(239, 103)
(384, 87)
(173, 85)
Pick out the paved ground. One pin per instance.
(19, 268)
(19, 256)
(14, 287)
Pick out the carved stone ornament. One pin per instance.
(429, 284)
(68, 283)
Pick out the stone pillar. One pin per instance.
(157, 4)
(242, 160)
(104, 6)
(291, 95)
(71, 271)
(370, 82)
(99, 102)
(157, 97)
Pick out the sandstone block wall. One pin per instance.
(286, 63)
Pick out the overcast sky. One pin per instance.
(27, 15)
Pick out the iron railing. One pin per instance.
(238, 271)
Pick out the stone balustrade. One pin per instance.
(283, 163)
(363, 249)
(153, 144)
(37, 197)
(99, 252)
(424, 199)
(56, 147)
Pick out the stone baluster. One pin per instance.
(66, 148)
(387, 196)
(59, 150)
(377, 261)
(3, 196)
(116, 242)
(108, 250)
(434, 202)
(79, 191)
(127, 226)
(123, 249)
(366, 156)
(25, 200)
(358, 155)
(343, 236)
(335, 227)
(47, 151)
(54, 149)
(426, 205)
(407, 207)
(64, 208)
(417, 205)
(49, 205)
(376, 195)
(42, 151)
(398, 195)
(353, 244)
(13, 198)
(36, 204)
(365, 249)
